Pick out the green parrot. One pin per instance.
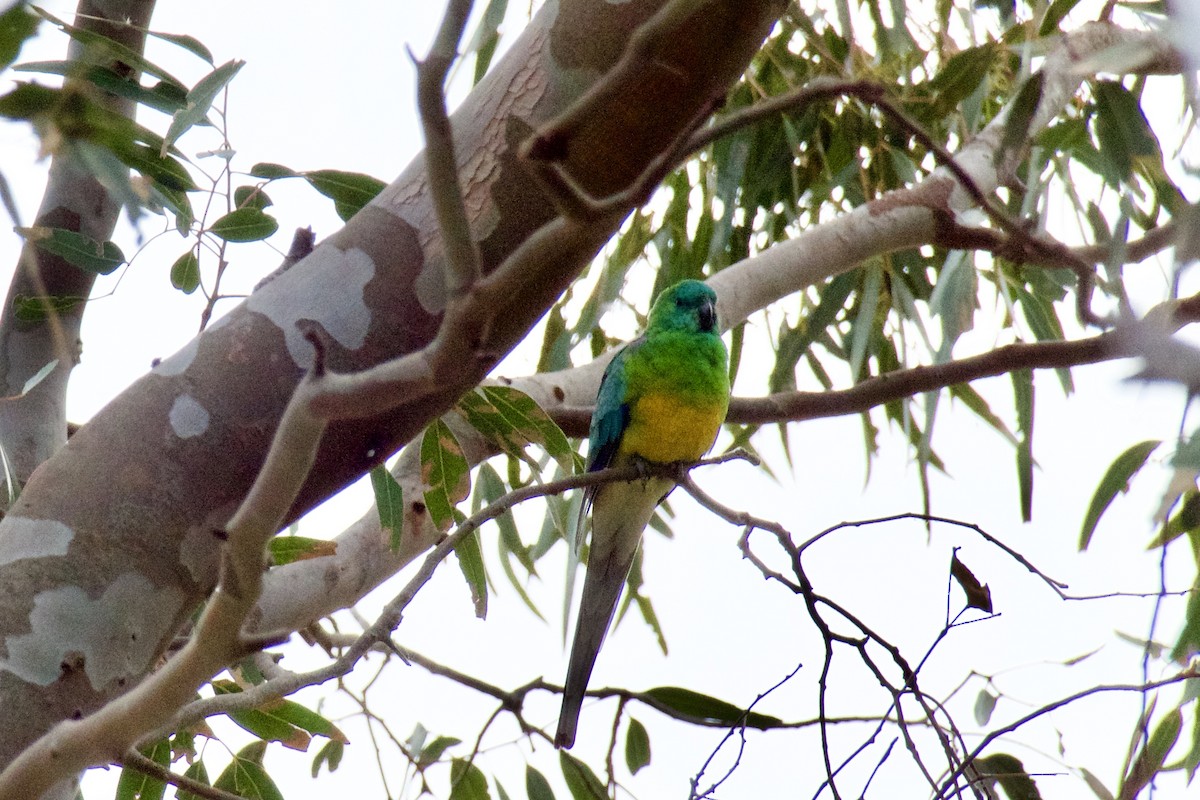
(662, 400)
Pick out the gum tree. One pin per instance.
(862, 179)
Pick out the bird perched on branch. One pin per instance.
(662, 400)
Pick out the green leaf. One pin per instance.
(703, 707)
(251, 197)
(467, 781)
(963, 72)
(1054, 15)
(263, 722)
(16, 26)
(866, 320)
(1011, 774)
(244, 225)
(1189, 639)
(38, 309)
(445, 471)
(470, 561)
(965, 393)
(101, 258)
(200, 100)
(286, 549)
(1022, 380)
(581, 782)
(637, 746)
(536, 785)
(267, 170)
(330, 755)
(511, 420)
(197, 772)
(433, 751)
(1116, 479)
(134, 785)
(487, 36)
(1020, 116)
(185, 272)
(246, 777)
(350, 191)
(954, 298)
(1152, 756)
(389, 502)
(1122, 131)
(189, 43)
(101, 47)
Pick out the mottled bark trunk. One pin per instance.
(111, 545)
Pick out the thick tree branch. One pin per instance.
(219, 637)
(33, 426)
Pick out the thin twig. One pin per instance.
(134, 759)
(462, 255)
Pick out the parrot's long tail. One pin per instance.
(601, 590)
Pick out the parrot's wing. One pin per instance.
(609, 421)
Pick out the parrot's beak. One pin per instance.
(707, 316)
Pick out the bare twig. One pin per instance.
(147, 766)
(462, 254)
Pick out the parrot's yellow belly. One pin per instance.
(664, 428)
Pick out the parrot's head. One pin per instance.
(687, 306)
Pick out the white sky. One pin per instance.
(334, 91)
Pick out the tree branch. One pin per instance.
(219, 639)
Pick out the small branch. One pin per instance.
(462, 255)
(389, 618)
(218, 640)
(147, 766)
(949, 782)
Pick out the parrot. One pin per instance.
(662, 400)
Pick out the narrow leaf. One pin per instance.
(1022, 380)
(637, 746)
(536, 785)
(76, 249)
(978, 594)
(186, 42)
(701, 706)
(199, 101)
(445, 471)
(1122, 131)
(470, 561)
(263, 723)
(1153, 755)
(350, 191)
(1116, 479)
(1020, 117)
(38, 377)
(330, 755)
(581, 782)
(1010, 773)
(269, 171)
(389, 502)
